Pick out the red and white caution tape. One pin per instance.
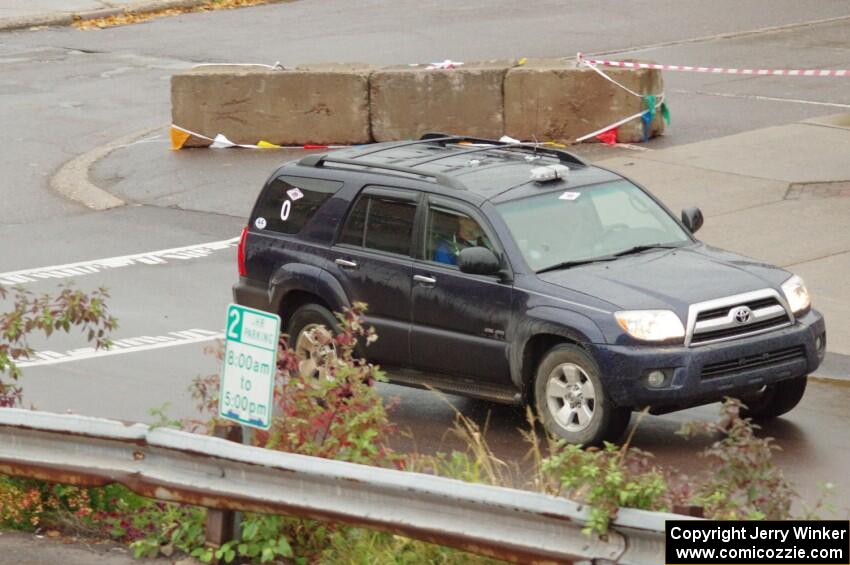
(591, 64)
(720, 70)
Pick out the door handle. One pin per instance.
(346, 264)
(427, 281)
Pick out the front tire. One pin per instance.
(775, 400)
(572, 402)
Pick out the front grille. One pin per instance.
(716, 320)
(727, 333)
(752, 304)
(733, 366)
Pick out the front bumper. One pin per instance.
(731, 368)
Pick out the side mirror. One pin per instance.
(478, 261)
(692, 218)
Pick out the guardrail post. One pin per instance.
(689, 510)
(222, 525)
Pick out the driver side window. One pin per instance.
(448, 232)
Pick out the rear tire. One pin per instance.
(572, 402)
(775, 400)
(307, 320)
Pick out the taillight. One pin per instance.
(240, 253)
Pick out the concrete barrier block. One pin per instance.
(313, 104)
(409, 101)
(558, 100)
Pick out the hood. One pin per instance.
(669, 278)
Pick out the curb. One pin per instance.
(72, 178)
(835, 367)
(67, 18)
(49, 19)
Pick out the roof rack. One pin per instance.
(443, 139)
(435, 137)
(321, 160)
(563, 156)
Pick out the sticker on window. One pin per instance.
(260, 223)
(294, 194)
(569, 196)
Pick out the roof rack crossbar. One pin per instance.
(321, 160)
(434, 138)
(564, 156)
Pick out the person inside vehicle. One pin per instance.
(468, 234)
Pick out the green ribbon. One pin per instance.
(665, 112)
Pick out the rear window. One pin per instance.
(289, 202)
(381, 223)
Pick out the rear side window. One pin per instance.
(289, 203)
(380, 223)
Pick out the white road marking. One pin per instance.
(121, 346)
(97, 265)
(762, 98)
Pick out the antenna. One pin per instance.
(536, 118)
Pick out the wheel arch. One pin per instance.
(296, 284)
(547, 328)
(292, 301)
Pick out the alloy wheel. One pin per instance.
(570, 397)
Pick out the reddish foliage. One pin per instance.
(339, 415)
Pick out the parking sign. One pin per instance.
(249, 366)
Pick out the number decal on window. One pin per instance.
(234, 321)
(284, 210)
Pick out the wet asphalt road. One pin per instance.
(64, 92)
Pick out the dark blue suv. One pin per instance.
(520, 273)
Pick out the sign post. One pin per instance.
(246, 394)
(248, 370)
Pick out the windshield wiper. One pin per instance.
(639, 248)
(612, 257)
(568, 264)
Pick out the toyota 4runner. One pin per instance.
(520, 273)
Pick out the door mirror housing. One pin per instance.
(692, 218)
(478, 261)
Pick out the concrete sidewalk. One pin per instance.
(19, 14)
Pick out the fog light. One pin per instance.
(656, 379)
(820, 345)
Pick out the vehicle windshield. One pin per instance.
(586, 223)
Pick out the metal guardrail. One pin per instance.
(177, 466)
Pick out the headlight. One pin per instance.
(796, 294)
(651, 325)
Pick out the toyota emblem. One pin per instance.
(742, 315)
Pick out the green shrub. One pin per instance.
(340, 417)
(45, 314)
(607, 479)
(744, 482)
